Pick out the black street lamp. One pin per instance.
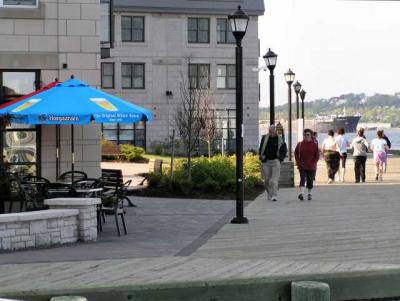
(270, 60)
(297, 89)
(302, 96)
(289, 77)
(238, 22)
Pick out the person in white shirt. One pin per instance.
(379, 147)
(331, 152)
(343, 143)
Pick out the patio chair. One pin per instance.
(29, 196)
(113, 180)
(13, 193)
(114, 205)
(59, 190)
(35, 179)
(89, 183)
(67, 176)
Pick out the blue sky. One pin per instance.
(333, 46)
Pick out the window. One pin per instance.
(107, 75)
(199, 30)
(132, 29)
(226, 77)
(132, 76)
(224, 33)
(120, 133)
(105, 21)
(20, 3)
(20, 143)
(199, 76)
(226, 125)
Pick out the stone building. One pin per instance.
(149, 45)
(136, 49)
(41, 40)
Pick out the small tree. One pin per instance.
(188, 116)
(209, 131)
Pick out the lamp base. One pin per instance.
(240, 220)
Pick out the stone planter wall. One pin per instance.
(87, 207)
(38, 229)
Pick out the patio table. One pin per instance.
(89, 192)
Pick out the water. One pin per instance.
(393, 135)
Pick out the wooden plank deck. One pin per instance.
(345, 228)
(359, 223)
(61, 276)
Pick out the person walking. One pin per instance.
(389, 144)
(360, 150)
(379, 147)
(272, 152)
(343, 143)
(306, 155)
(331, 152)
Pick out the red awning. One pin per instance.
(49, 86)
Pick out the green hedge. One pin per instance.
(215, 175)
(131, 153)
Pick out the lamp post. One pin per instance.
(238, 22)
(289, 77)
(270, 60)
(302, 96)
(297, 88)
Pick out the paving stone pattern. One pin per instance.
(157, 227)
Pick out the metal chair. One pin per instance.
(67, 176)
(114, 205)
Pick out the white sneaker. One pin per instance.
(274, 198)
(330, 181)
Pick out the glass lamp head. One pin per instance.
(238, 22)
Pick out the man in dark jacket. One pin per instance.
(272, 152)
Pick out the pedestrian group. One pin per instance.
(273, 151)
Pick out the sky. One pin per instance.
(333, 46)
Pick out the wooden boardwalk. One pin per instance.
(86, 275)
(356, 223)
(345, 228)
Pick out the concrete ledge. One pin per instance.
(73, 201)
(366, 285)
(37, 215)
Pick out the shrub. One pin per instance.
(131, 152)
(252, 165)
(219, 169)
(251, 182)
(181, 186)
(154, 179)
(209, 186)
(158, 150)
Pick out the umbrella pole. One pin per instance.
(57, 151)
(72, 152)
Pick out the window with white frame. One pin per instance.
(226, 77)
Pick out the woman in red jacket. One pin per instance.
(307, 156)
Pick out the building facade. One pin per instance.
(152, 46)
(41, 40)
